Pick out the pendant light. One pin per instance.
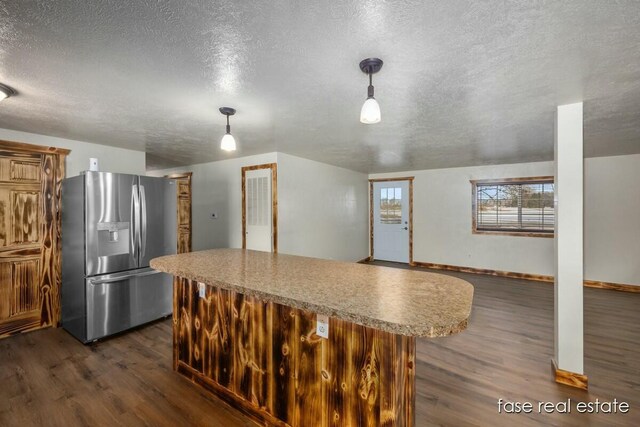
(370, 112)
(6, 92)
(228, 142)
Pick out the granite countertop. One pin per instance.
(405, 302)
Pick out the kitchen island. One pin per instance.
(245, 323)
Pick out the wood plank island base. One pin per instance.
(244, 328)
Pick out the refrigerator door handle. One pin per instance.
(123, 277)
(132, 215)
(135, 234)
(143, 223)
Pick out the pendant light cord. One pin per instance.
(370, 88)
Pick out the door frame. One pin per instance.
(402, 178)
(187, 177)
(274, 203)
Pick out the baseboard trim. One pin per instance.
(612, 286)
(510, 274)
(364, 260)
(571, 379)
(535, 277)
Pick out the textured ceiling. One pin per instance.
(464, 82)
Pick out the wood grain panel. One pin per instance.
(26, 250)
(6, 289)
(184, 188)
(266, 360)
(16, 166)
(25, 286)
(217, 345)
(30, 184)
(612, 286)
(60, 172)
(183, 182)
(307, 371)
(19, 324)
(282, 390)
(337, 381)
(49, 294)
(184, 240)
(24, 217)
(4, 218)
(20, 148)
(28, 171)
(568, 378)
(184, 212)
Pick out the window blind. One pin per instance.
(515, 207)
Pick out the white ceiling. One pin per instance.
(464, 82)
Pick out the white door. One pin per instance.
(391, 221)
(258, 209)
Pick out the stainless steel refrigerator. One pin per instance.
(112, 226)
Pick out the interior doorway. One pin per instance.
(391, 219)
(260, 207)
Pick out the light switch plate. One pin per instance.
(322, 326)
(201, 290)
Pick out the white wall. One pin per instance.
(442, 222)
(612, 219)
(111, 159)
(323, 210)
(217, 188)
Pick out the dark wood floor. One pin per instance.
(49, 379)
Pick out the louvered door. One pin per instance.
(29, 260)
(258, 210)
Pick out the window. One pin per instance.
(391, 205)
(519, 206)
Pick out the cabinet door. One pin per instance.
(26, 221)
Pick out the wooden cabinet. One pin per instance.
(183, 181)
(30, 179)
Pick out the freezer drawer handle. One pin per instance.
(121, 278)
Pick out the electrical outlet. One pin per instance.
(201, 290)
(322, 326)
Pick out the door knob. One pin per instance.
(406, 228)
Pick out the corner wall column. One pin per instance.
(569, 260)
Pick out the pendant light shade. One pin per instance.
(228, 142)
(370, 112)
